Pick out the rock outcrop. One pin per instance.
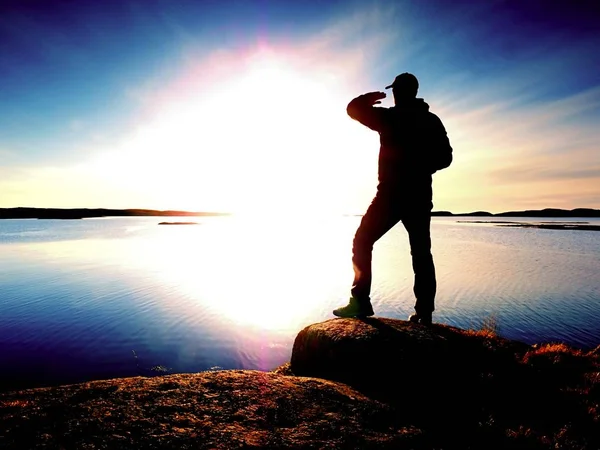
(396, 360)
(212, 410)
(463, 389)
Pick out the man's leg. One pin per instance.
(418, 228)
(380, 217)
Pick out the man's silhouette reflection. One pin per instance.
(413, 145)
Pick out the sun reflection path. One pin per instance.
(271, 273)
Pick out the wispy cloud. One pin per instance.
(6, 155)
(513, 148)
(513, 155)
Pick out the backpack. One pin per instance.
(438, 144)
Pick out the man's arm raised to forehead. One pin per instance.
(363, 109)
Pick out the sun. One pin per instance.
(282, 132)
(272, 137)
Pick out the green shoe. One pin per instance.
(423, 319)
(354, 308)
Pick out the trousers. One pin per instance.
(385, 211)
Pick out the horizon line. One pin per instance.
(165, 212)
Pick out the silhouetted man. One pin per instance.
(413, 145)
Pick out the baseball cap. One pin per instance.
(405, 81)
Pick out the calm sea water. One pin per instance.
(111, 297)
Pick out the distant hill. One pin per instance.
(82, 213)
(551, 212)
(548, 212)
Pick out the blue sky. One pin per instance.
(87, 90)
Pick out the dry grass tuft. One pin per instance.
(14, 403)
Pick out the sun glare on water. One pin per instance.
(273, 275)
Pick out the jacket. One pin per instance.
(410, 141)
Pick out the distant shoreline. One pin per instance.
(88, 213)
(85, 213)
(547, 212)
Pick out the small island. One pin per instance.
(178, 223)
